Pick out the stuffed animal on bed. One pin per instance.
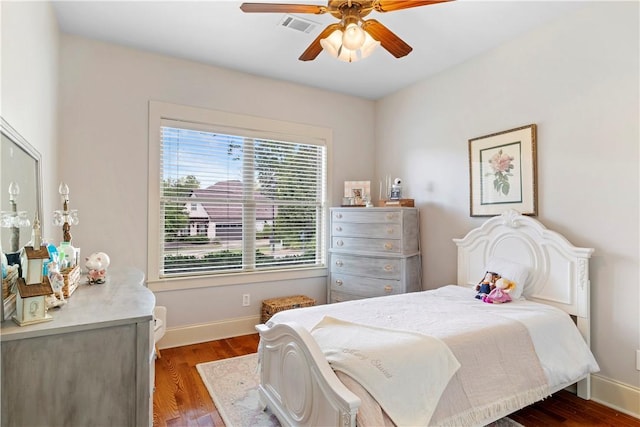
(500, 293)
(487, 284)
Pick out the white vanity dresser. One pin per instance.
(92, 365)
(373, 252)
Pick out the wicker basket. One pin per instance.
(71, 280)
(71, 277)
(7, 283)
(274, 305)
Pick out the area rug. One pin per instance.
(233, 386)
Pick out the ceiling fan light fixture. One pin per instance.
(334, 46)
(370, 44)
(333, 43)
(353, 37)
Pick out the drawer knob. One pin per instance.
(388, 246)
(338, 215)
(339, 243)
(339, 282)
(388, 289)
(390, 215)
(388, 267)
(390, 230)
(338, 228)
(339, 263)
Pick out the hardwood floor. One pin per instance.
(181, 399)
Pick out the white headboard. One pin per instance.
(558, 271)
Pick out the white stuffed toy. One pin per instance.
(97, 264)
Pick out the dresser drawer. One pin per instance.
(365, 286)
(374, 231)
(366, 245)
(385, 268)
(337, 296)
(364, 215)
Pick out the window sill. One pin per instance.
(194, 282)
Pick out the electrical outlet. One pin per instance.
(638, 360)
(246, 300)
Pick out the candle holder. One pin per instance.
(65, 217)
(14, 219)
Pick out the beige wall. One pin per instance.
(105, 90)
(577, 79)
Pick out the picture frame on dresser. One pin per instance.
(503, 172)
(357, 192)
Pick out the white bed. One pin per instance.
(300, 387)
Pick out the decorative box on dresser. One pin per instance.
(373, 252)
(92, 365)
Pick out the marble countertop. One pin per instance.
(122, 299)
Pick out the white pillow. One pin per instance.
(510, 270)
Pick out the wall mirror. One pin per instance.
(20, 199)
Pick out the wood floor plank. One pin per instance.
(182, 400)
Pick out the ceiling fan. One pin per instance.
(353, 37)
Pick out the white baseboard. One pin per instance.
(194, 334)
(616, 395)
(619, 396)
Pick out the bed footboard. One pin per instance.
(297, 383)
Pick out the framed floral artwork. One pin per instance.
(502, 172)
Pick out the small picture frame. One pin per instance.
(503, 172)
(358, 192)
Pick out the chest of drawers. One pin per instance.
(92, 365)
(373, 252)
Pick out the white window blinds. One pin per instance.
(238, 203)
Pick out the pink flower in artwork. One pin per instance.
(502, 164)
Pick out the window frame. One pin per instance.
(252, 126)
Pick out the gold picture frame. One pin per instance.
(503, 172)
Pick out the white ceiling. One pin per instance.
(217, 32)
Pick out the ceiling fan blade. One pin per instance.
(315, 47)
(391, 5)
(394, 44)
(282, 8)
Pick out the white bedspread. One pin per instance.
(405, 372)
(563, 354)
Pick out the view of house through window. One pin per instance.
(234, 203)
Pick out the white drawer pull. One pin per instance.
(339, 263)
(338, 215)
(388, 267)
(388, 289)
(388, 246)
(339, 282)
(338, 228)
(339, 243)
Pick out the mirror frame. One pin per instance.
(13, 135)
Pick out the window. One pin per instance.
(234, 194)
